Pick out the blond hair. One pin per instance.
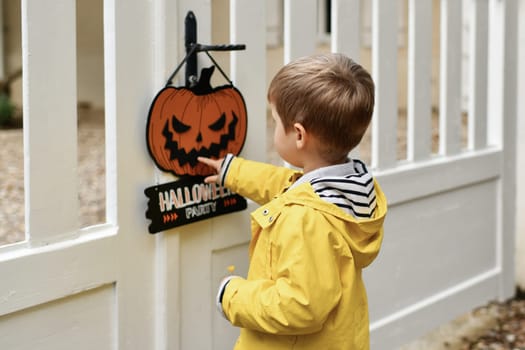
(330, 95)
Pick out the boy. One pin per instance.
(316, 229)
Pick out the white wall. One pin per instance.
(90, 53)
(12, 42)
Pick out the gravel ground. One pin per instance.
(507, 330)
(11, 186)
(496, 326)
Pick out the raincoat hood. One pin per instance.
(354, 198)
(363, 236)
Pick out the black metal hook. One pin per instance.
(190, 41)
(192, 48)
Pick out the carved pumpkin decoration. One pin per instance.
(185, 123)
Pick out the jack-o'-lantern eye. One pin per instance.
(179, 126)
(219, 123)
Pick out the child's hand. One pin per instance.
(215, 164)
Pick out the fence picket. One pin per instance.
(300, 32)
(346, 25)
(252, 82)
(384, 70)
(50, 123)
(419, 107)
(478, 75)
(346, 33)
(450, 77)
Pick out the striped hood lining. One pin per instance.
(349, 186)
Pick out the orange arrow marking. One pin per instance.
(169, 217)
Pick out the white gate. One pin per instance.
(68, 287)
(449, 234)
(449, 242)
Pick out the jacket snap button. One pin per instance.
(265, 212)
(270, 219)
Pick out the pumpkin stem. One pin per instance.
(203, 86)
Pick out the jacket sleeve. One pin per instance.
(306, 286)
(257, 181)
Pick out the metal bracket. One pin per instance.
(193, 47)
(190, 39)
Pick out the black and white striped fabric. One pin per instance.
(349, 186)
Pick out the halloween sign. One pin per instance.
(187, 122)
(188, 200)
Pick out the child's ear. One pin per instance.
(300, 135)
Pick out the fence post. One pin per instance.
(502, 127)
(520, 157)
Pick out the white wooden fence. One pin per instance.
(449, 238)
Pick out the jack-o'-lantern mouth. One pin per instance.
(184, 157)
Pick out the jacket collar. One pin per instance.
(347, 168)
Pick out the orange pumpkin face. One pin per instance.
(185, 123)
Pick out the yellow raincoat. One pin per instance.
(304, 288)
